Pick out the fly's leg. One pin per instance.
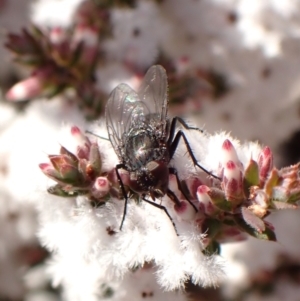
(98, 136)
(173, 171)
(173, 144)
(118, 166)
(184, 124)
(164, 209)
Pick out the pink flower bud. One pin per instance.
(233, 183)
(26, 89)
(194, 182)
(41, 82)
(182, 65)
(265, 164)
(57, 35)
(58, 160)
(66, 168)
(205, 201)
(101, 187)
(86, 34)
(229, 154)
(84, 144)
(49, 171)
(185, 211)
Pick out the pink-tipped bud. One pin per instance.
(229, 154)
(84, 144)
(57, 35)
(102, 184)
(66, 168)
(49, 171)
(75, 131)
(45, 167)
(265, 164)
(185, 211)
(182, 65)
(87, 35)
(194, 182)
(39, 83)
(101, 187)
(26, 89)
(59, 160)
(233, 183)
(205, 201)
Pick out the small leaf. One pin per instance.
(279, 194)
(271, 182)
(267, 234)
(61, 191)
(64, 151)
(219, 200)
(283, 205)
(54, 90)
(95, 158)
(211, 227)
(294, 196)
(252, 220)
(251, 176)
(76, 54)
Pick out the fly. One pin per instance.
(145, 140)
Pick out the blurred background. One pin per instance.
(233, 65)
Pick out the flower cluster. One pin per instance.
(67, 61)
(63, 59)
(235, 203)
(246, 195)
(80, 173)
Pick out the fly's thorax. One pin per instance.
(141, 146)
(153, 178)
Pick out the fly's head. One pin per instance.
(153, 178)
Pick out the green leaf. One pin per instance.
(211, 227)
(251, 176)
(95, 158)
(219, 200)
(252, 220)
(267, 234)
(271, 182)
(61, 191)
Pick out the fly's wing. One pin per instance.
(153, 93)
(124, 110)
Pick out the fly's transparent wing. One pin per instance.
(153, 93)
(124, 110)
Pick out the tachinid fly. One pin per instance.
(144, 139)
